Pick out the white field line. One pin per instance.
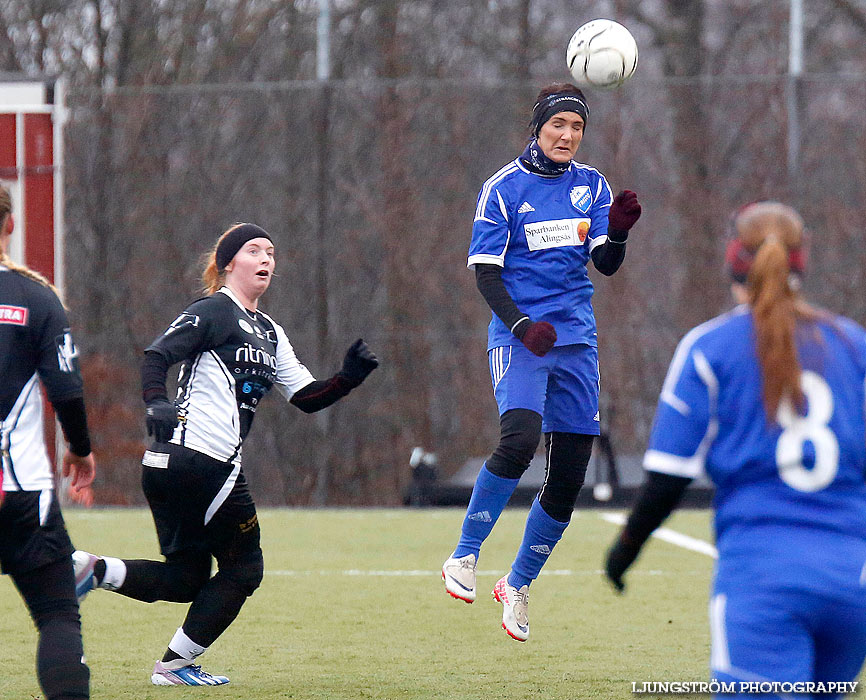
(425, 572)
(671, 536)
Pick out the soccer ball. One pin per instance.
(601, 54)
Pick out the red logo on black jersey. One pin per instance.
(13, 315)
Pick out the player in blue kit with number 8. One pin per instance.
(769, 400)
(538, 222)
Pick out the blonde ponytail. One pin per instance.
(5, 260)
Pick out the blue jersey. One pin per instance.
(795, 478)
(540, 231)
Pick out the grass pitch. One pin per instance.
(352, 606)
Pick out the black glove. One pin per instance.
(358, 363)
(538, 337)
(161, 419)
(624, 211)
(619, 557)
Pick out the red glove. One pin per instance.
(539, 338)
(624, 211)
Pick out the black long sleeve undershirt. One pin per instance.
(488, 278)
(322, 393)
(73, 421)
(658, 497)
(608, 257)
(154, 370)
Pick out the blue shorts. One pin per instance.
(784, 636)
(562, 386)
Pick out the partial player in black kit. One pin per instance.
(36, 352)
(231, 355)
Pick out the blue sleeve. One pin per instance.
(598, 213)
(685, 422)
(490, 232)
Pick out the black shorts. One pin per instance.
(198, 502)
(25, 544)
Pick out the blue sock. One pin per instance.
(539, 538)
(489, 497)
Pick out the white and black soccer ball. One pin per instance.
(601, 54)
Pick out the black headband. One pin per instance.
(546, 107)
(229, 246)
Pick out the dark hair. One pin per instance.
(555, 98)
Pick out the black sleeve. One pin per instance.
(488, 278)
(73, 420)
(609, 255)
(154, 370)
(189, 333)
(321, 393)
(57, 354)
(659, 496)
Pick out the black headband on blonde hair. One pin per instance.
(547, 106)
(229, 246)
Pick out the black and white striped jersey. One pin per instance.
(35, 348)
(231, 358)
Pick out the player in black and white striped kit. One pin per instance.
(232, 354)
(36, 352)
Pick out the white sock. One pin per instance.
(183, 646)
(115, 574)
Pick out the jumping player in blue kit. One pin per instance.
(538, 222)
(769, 400)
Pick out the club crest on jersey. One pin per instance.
(580, 197)
(13, 315)
(248, 327)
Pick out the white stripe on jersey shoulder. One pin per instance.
(502, 206)
(526, 170)
(585, 166)
(497, 177)
(602, 180)
(696, 464)
(231, 295)
(682, 353)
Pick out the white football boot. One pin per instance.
(459, 577)
(82, 566)
(515, 608)
(182, 672)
